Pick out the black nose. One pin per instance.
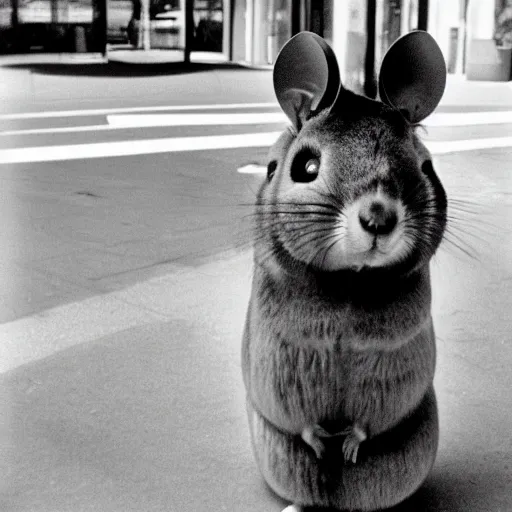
(378, 218)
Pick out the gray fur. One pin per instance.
(352, 346)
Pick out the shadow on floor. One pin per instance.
(447, 491)
(124, 70)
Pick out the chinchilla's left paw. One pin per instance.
(355, 436)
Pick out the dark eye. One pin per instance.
(305, 166)
(271, 169)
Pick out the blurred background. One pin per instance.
(133, 140)
(475, 35)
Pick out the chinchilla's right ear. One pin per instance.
(306, 77)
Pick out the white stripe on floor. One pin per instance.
(252, 169)
(436, 119)
(38, 336)
(181, 144)
(122, 122)
(126, 110)
(468, 118)
(454, 146)
(63, 129)
(147, 302)
(135, 147)
(139, 121)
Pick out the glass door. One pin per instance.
(208, 25)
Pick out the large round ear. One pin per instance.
(413, 76)
(306, 77)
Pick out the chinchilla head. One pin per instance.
(349, 185)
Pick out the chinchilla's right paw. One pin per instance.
(312, 436)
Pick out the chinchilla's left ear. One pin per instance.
(413, 76)
(306, 77)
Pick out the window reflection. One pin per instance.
(208, 22)
(5, 13)
(167, 25)
(46, 11)
(356, 45)
(278, 24)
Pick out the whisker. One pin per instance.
(299, 205)
(336, 239)
(307, 239)
(455, 245)
(276, 220)
(305, 214)
(462, 218)
(462, 209)
(475, 232)
(459, 238)
(276, 211)
(459, 243)
(314, 240)
(464, 202)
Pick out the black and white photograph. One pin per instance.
(256, 255)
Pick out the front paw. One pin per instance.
(355, 436)
(311, 435)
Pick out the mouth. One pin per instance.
(369, 258)
(375, 245)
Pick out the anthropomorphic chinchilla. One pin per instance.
(339, 349)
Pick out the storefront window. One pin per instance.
(409, 16)
(390, 25)
(5, 13)
(35, 11)
(167, 22)
(54, 11)
(503, 30)
(278, 26)
(394, 17)
(167, 25)
(356, 45)
(49, 26)
(119, 15)
(208, 23)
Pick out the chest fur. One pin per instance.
(315, 363)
